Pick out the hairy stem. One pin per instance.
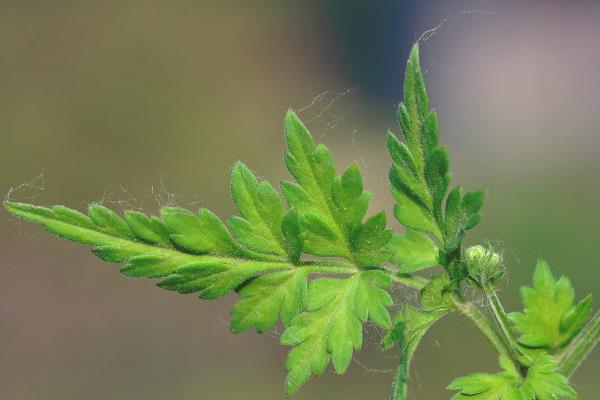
(331, 263)
(344, 267)
(415, 282)
(581, 346)
(501, 320)
(485, 326)
(400, 377)
(331, 270)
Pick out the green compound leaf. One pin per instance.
(420, 175)
(550, 319)
(331, 207)
(409, 328)
(200, 256)
(543, 382)
(331, 327)
(195, 253)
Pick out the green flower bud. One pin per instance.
(475, 254)
(483, 265)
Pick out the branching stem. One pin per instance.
(501, 320)
(470, 311)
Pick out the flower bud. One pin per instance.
(483, 265)
(475, 254)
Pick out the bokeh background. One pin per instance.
(140, 104)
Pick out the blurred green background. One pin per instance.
(140, 104)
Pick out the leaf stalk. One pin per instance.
(580, 347)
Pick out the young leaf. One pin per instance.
(543, 382)
(331, 327)
(550, 319)
(420, 175)
(505, 385)
(331, 207)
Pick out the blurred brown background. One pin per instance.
(140, 104)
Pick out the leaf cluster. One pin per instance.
(313, 261)
(261, 253)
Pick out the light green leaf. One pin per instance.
(149, 229)
(369, 240)
(420, 174)
(269, 297)
(504, 385)
(435, 295)
(331, 207)
(195, 239)
(543, 382)
(200, 233)
(213, 279)
(413, 251)
(331, 327)
(550, 319)
(414, 217)
(192, 252)
(260, 225)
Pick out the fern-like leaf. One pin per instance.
(331, 207)
(195, 252)
(420, 177)
(542, 382)
(331, 327)
(550, 319)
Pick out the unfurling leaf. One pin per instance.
(550, 319)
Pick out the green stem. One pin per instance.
(399, 382)
(415, 282)
(581, 346)
(485, 326)
(331, 270)
(342, 267)
(502, 320)
(331, 263)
